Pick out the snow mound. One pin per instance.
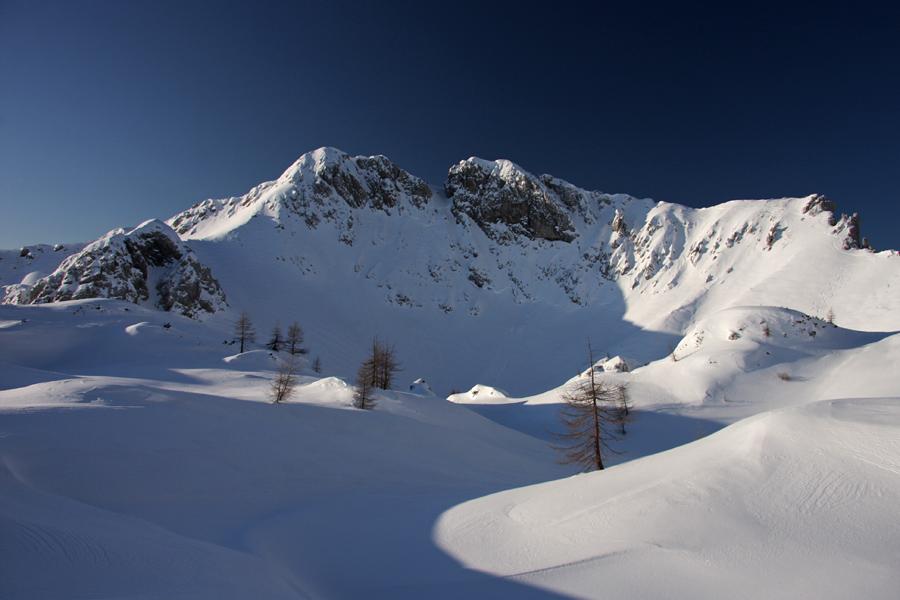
(617, 364)
(759, 336)
(420, 388)
(480, 394)
(808, 491)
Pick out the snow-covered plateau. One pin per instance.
(141, 455)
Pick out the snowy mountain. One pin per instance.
(350, 247)
(141, 455)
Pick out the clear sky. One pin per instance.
(115, 112)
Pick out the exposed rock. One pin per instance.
(126, 266)
(386, 181)
(501, 192)
(819, 204)
(618, 224)
(190, 289)
(853, 238)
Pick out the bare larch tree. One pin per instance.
(364, 390)
(276, 340)
(243, 329)
(285, 381)
(295, 339)
(594, 415)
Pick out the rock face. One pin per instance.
(148, 265)
(818, 204)
(500, 192)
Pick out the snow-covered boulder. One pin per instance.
(617, 364)
(420, 388)
(480, 394)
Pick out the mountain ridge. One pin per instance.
(353, 246)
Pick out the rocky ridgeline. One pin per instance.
(534, 237)
(148, 265)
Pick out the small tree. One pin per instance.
(383, 365)
(285, 382)
(295, 339)
(243, 329)
(276, 341)
(593, 414)
(317, 365)
(364, 391)
(624, 412)
(386, 366)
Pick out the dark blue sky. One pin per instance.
(115, 112)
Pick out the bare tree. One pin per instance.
(384, 364)
(276, 341)
(285, 382)
(243, 329)
(364, 391)
(317, 365)
(624, 406)
(377, 371)
(592, 415)
(388, 366)
(295, 339)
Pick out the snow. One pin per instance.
(791, 503)
(159, 451)
(141, 456)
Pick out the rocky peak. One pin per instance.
(361, 181)
(323, 185)
(147, 265)
(501, 192)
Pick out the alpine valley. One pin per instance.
(140, 455)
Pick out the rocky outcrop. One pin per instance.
(818, 204)
(148, 265)
(500, 192)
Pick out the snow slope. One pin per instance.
(139, 460)
(797, 503)
(177, 477)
